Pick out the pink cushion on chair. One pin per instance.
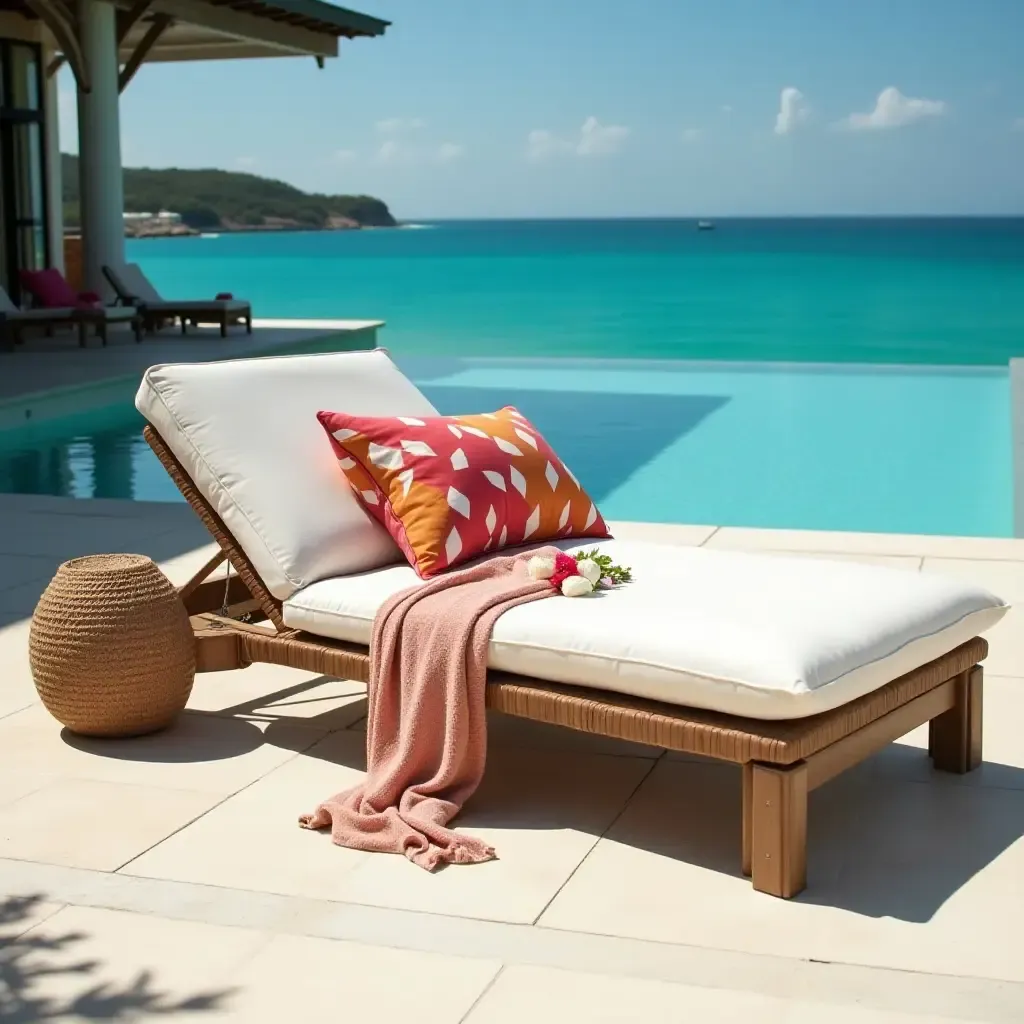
(52, 291)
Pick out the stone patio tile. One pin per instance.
(274, 693)
(91, 964)
(89, 824)
(181, 568)
(543, 995)
(542, 810)
(898, 874)
(17, 570)
(253, 841)
(56, 537)
(198, 752)
(19, 914)
(662, 533)
(18, 603)
(318, 978)
(17, 690)
(749, 539)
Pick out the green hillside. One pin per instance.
(227, 199)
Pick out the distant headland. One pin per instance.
(190, 202)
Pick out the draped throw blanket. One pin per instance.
(426, 737)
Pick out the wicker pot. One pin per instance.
(111, 647)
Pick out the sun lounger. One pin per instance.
(794, 669)
(13, 321)
(54, 295)
(132, 286)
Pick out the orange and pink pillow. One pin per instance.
(450, 488)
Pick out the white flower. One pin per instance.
(540, 567)
(577, 586)
(589, 569)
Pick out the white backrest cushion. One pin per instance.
(247, 433)
(135, 283)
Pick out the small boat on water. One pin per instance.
(705, 225)
(207, 234)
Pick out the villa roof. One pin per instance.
(315, 15)
(175, 30)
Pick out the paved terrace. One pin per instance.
(165, 876)
(32, 368)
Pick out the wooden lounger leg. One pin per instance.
(778, 848)
(748, 811)
(954, 737)
(223, 325)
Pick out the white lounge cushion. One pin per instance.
(753, 635)
(247, 434)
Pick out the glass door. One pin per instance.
(23, 214)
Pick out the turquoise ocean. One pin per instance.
(859, 291)
(813, 374)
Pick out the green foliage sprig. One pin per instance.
(616, 573)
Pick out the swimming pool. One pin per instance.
(890, 449)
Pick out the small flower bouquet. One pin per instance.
(580, 574)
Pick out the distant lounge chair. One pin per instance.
(13, 320)
(132, 286)
(53, 294)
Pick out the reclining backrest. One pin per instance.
(131, 283)
(247, 434)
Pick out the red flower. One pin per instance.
(565, 566)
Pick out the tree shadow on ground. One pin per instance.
(31, 957)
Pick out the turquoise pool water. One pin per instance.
(918, 449)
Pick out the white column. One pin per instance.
(101, 185)
(54, 179)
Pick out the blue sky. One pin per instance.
(480, 108)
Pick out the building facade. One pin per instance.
(104, 43)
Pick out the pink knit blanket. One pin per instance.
(426, 735)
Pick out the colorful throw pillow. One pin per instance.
(449, 488)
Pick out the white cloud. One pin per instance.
(726, 108)
(692, 134)
(344, 156)
(540, 144)
(399, 125)
(1018, 125)
(894, 110)
(598, 139)
(793, 110)
(592, 139)
(448, 152)
(390, 152)
(245, 162)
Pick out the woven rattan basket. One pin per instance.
(111, 647)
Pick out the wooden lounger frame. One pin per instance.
(782, 761)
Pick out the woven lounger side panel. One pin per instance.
(215, 525)
(695, 731)
(303, 651)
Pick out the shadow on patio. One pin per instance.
(45, 976)
(888, 839)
